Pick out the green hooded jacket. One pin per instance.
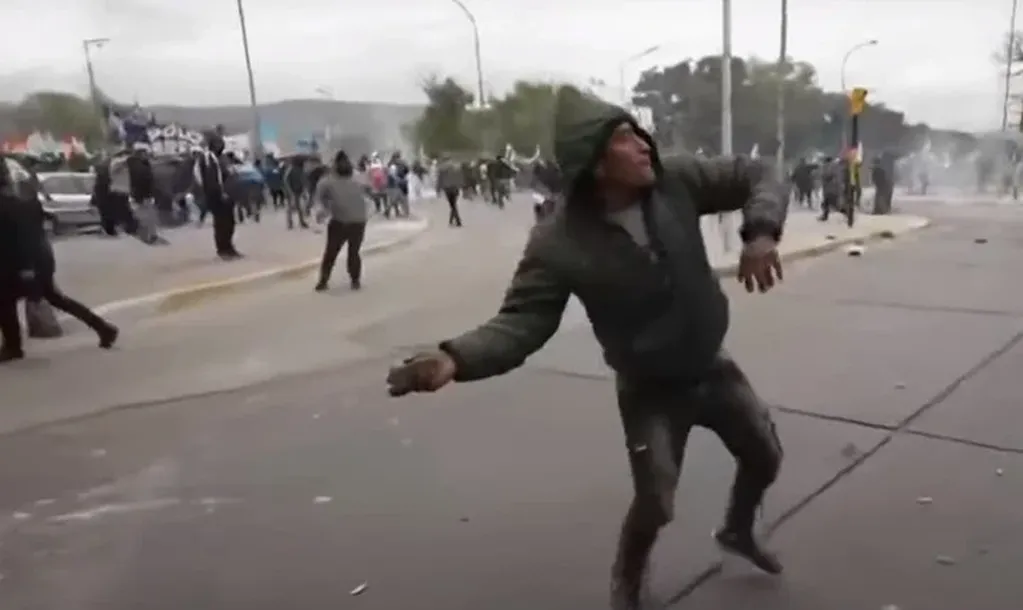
(663, 318)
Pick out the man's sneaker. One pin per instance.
(356, 284)
(9, 355)
(746, 546)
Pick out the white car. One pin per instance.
(67, 200)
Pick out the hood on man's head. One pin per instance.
(583, 125)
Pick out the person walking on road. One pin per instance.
(211, 176)
(27, 268)
(343, 198)
(449, 182)
(628, 244)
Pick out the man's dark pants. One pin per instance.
(223, 226)
(658, 416)
(338, 234)
(454, 217)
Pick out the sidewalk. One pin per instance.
(805, 236)
(102, 271)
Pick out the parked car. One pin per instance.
(67, 200)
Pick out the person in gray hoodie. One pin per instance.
(344, 199)
(627, 242)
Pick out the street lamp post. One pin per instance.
(845, 91)
(257, 140)
(480, 102)
(724, 220)
(625, 63)
(88, 44)
(1010, 57)
(782, 79)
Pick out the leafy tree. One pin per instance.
(61, 114)
(685, 101)
(444, 124)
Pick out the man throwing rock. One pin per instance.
(627, 242)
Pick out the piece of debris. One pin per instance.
(886, 234)
(924, 500)
(999, 472)
(360, 589)
(464, 519)
(855, 250)
(830, 237)
(900, 386)
(980, 240)
(945, 560)
(322, 499)
(19, 516)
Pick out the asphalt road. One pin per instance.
(896, 376)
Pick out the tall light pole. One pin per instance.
(480, 101)
(849, 53)
(1010, 54)
(724, 221)
(257, 137)
(625, 63)
(845, 91)
(782, 79)
(87, 45)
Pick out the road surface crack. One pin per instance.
(902, 427)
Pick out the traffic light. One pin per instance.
(857, 100)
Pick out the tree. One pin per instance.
(685, 101)
(61, 114)
(524, 118)
(444, 126)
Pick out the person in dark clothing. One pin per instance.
(449, 182)
(344, 200)
(295, 181)
(27, 268)
(628, 244)
(211, 175)
(101, 199)
(832, 184)
(140, 176)
(802, 179)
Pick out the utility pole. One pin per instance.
(1010, 57)
(257, 139)
(480, 100)
(782, 73)
(97, 107)
(724, 220)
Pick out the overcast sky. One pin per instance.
(933, 60)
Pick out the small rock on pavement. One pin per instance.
(945, 560)
(999, 472)
(360, 589)
(980, 240)
(322, 499)
(850, 450)
(855, 250)
(900, 386)
(924, 500)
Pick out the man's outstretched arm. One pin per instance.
(730, 184)
(529, 316)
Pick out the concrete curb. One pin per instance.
(731, 269)
(178, 299)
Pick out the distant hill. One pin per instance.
(294, 120)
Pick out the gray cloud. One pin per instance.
(933, 60)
